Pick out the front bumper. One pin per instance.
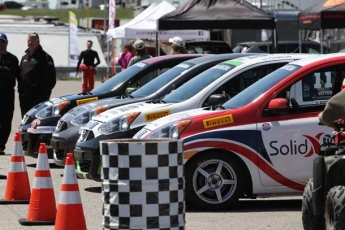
(61, 146)
(87, 154)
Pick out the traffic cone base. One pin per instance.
(42, 207)
(17, 187)
(70, 214)
(21, 194)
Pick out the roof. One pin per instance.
(210, 58)
(169, 57)
(310, 60)
(261, 58)
(216, 14)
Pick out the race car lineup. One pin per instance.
(212, 87)
(249, 124)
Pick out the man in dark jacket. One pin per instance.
(38, 75)
(9, 74)
(89, 71)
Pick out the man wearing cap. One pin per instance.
(9, 74)
(88, 56)
(140, 53)
(177, 46)
(38, 75)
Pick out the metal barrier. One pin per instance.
(64, 72)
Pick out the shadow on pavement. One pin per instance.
(94, 189)
(51, 165)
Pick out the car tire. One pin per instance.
(335, 208)
(208, 171)
(309, 219)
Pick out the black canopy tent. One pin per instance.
(325, 14)
(217, 14)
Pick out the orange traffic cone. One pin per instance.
(70, 214)
(18, 186)
(42, 208)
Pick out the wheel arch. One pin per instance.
(248, 187)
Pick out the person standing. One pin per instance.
(126, 55)
(9, 74)
(140, 52)
(88, 56)
(177, 46)
(37, 73)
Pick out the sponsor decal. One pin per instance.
(45, 129)
(222, 67)
(234, 62)
(182, 65)
(266, 126)
(155, 116)
(140, 64)
(125, 108)
(289, 67)
(83, 101)
(308, 147)
(218, 121)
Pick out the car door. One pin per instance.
(291, 141)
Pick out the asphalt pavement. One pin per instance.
(283, 213)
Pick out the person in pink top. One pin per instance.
(126, 55)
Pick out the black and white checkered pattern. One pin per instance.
(143, 184)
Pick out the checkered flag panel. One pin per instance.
(143, 184)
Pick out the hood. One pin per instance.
(91, 105)
(125, 109)
(178, 116)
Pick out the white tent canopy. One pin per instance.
(145, 25)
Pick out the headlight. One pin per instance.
(121, 123)
(51, 110)
(171, 130)
(86, 116)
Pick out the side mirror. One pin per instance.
(217, 99)
(278, 106)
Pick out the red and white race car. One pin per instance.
(262, 141)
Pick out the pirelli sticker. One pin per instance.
(155, 116)
(83, 101)
(218, 121)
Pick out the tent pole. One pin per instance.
(321, 40)
(157, 39)
(299, 41)
(275, 46)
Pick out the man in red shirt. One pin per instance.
(88, 56)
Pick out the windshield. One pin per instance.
(163, 79)
(196, 84)
(119, 78)
(258, 88)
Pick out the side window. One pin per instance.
(243, 80)
(312, 91)
(315, 88)
(147, 78)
